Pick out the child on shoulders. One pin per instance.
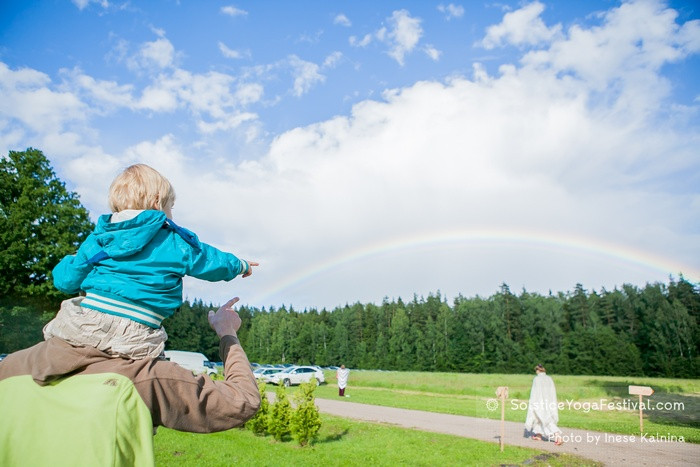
(131, 268)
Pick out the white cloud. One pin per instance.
(230, 53)
(364, 42)
(306, 74)
(227, 123)
(29, 100)
(12, 135)
(404, 35)
(432, 52)
(521, 27)
(154, 55)
(216, 100)
(165, 152)
(35, 112)
(102, 93)
(158, 98)
(633, 42)
(342, 20)
(231, 10)
(91, 171)
(160, 53)
(208, 93)
(21, 79)
(82, 4)
(332, 60)
(451, 10)
(249, 93)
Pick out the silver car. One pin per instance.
(297, 375)
(266, 373)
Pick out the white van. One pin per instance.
(194, 361)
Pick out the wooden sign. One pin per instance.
(640, 391)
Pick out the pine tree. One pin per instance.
(306, 421)
(258, 424)
(280, 415)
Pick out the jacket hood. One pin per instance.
(121, 239)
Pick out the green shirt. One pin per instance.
(82, 420)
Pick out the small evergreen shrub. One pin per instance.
(280, 415)
(258, 424)
(306, 421)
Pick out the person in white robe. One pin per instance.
(542, 412)
(342, 376)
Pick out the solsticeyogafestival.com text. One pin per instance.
(600, 405)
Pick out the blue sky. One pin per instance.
(362, 150)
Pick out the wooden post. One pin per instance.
(641, 418)
(641, 391)
(502, 394)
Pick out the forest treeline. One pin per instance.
(650, 331)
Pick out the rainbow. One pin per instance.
(527, 239)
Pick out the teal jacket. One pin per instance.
(135, 268)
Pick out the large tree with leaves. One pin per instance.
(40, 222)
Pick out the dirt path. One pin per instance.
(610, 449)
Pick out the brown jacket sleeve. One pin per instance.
(197, 404)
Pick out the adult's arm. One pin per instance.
(199, 404)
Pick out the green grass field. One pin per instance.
(586, 399)
(345, 442)
(349, 442)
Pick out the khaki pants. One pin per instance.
(117, 336)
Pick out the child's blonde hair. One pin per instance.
(140, 187)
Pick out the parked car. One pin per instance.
(297, 375)
(2, 355)
(265, 373)
(194, 361)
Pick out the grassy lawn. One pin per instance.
(344, 442)
(585, 398)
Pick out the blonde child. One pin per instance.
(131, 269)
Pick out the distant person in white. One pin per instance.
(542, 411)
(342, 376)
